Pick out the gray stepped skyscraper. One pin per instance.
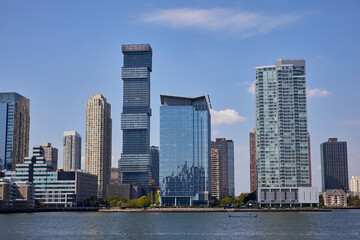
(14, 129)
(134, 165)
(334, 165)
(282, 154)
(71, 151)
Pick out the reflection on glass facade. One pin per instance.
(14, 129)
(134, 165)
(281, 125)
(185, 143)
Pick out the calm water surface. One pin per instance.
(338, 224)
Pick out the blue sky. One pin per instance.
(59, 53)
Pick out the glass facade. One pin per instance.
(185, 144)
(14, 129)
(281, 125)
(134, 165)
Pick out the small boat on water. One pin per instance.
(243, 216)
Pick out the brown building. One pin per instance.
(215, 173)
(335, 198)
(253, 173)
(51, 155)
(16, 194)
(16, 126)
(114, 175)
(226, 166)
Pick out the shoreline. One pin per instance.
(171, 210)
(207, 210)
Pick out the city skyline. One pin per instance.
(56, 58)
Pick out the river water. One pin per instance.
(338, 224)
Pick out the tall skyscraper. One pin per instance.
(282, 154)
(215, 173)
(98, 141)
(253, 178)
(51, 155)
(71, 150)
(185, 144)
(14, 129)
(334, 165)
(134, 165)
(226, 166)
(155, 155)
(281, 125)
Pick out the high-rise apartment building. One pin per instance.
(98, 141)
(51, 155)
(14, 129)
(155, 155)
(215, 173)
(226, 166)
(71, 150)
(252, 143)
(355, 184)
(185, 144)
(334, 165)
(134, 165)
(282, 154)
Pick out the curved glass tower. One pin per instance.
(185, 144)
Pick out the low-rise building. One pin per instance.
(55, 188)
(335, 198)
(288, 197)
(128, 191)
(16, 194)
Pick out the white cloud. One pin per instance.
(313, 93)
(251, 88)
(350, 123)
(244, 23)
(227, 116)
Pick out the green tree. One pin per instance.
(143, 202)
(112, 201)
(227, 201)
(131, 203)
(321, 200)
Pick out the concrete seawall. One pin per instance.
(197, 210)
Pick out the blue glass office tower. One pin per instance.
(185, 144)
(134, 165)
(14, 129)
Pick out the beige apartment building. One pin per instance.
(355, 184)
(215, 173)
(51, 155)
(98, 141)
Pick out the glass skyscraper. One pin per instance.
(14, 129)
(134, 165)
(185, 144)
(281, 125)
